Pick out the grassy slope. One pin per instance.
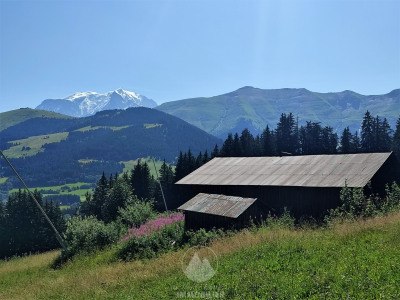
(35, 143)
(358, 260)
(14, 117)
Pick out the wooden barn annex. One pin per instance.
(211, 210)
(306, 185)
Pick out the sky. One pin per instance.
(172, 50)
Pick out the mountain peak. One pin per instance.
(82, 104)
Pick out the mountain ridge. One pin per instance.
(255, 108)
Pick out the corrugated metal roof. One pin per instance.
(220, 205)
(307, 171)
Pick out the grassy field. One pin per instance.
(113, 128)
(359, 260)
(66, 189)
(33, 145)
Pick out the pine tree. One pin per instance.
(199, 160)
(236, 146)
(329, 140)
(367, 133)
(287, 134)
(268, 142)
(346, 141)
(205, 157)
(385, 140)
(141, 180)
(99, 197)
(179, 169)
(247, 143)
(215, 152)
(227, 146)
(356, 143)
(396, 139)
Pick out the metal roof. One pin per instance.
(220, 205)
(306, 171)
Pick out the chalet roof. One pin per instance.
(303, 171)
(221, 205)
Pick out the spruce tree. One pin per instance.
(141, 180)
(287, 134)
(346, 141)
(396, 139)
(227, 146)
(247, 143)
(367, 133)
(268, 142)
(215, 152)
(236, 146)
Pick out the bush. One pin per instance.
(152, 238)
(136, 212)
(202, 237)
(86, 235)
(392, 200)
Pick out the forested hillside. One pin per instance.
(48, 151)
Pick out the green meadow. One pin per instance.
(352, 260)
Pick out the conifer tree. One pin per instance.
(179, 169)
(287, 134)
(120, 194)
(396, 139)
(247, 143)
(236, 146)
(227, 146)
(346, 141)
(99, 197)
(141, 180)
(215, 152)
(268, 142)
(356, 143)
(367, 133)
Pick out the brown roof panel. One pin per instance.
(221, 205)
(315, 170)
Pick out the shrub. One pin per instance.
(285, 220)
(202, 237)
(136, 212)
(86, 235)
(392, 200)
(152, 238)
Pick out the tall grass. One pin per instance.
(357, 259)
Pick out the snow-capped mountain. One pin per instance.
(84, 104)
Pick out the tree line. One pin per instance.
(23, 228)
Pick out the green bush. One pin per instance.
(202, 237)
(86, 235)
(392, 200)
(136, 212)
(166, 239)
(355, 204)
(285, 220)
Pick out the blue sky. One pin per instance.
(171, 50)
